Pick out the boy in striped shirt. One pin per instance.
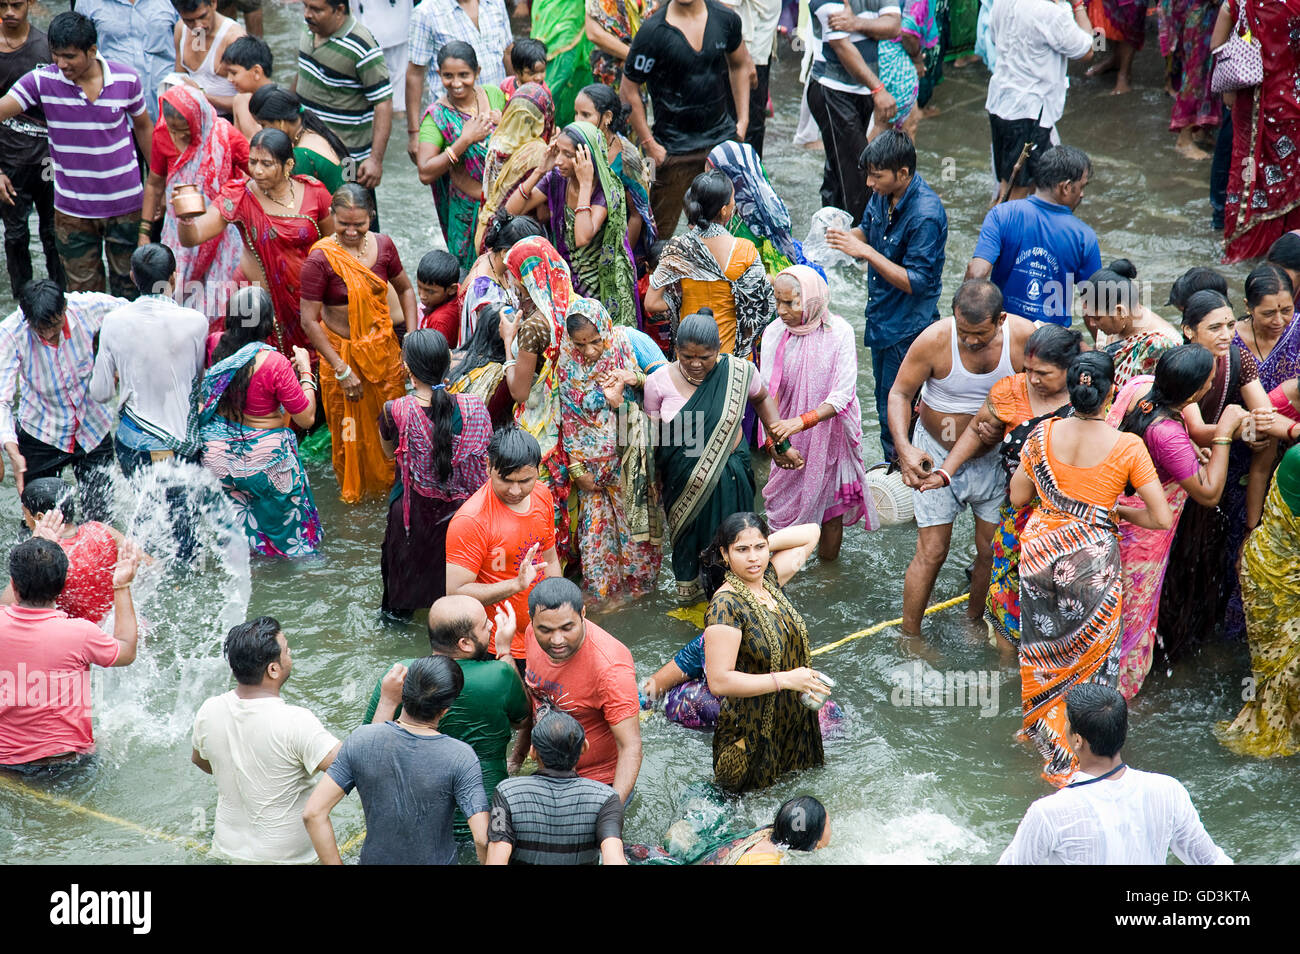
(92, 108)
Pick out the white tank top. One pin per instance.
(962, 392)
(209, 80)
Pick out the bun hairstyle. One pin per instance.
(1090, 378)
(1197, 278)
(699, 329)
(1200, 304)
(1056, 345)
(1180, 373)
(713, 568)
(707, 197)
(1108, 288)
(504, 230)
(427, 357)
(274, 104)
(605, 100)
(1266, 280)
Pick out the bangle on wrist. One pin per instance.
(125, 586)
(810, 419)
(1290, 430)
(877, 89)
(944, 476)
(783, 447)
(1224, 441)
(776, 682)
(582, 208)
(344, 374)
(451, 155)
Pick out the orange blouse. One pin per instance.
(1128, 462)
(1009, 400)
(717, 295)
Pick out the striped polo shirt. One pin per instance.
(96, 174)
(555, 818)
(341, 80)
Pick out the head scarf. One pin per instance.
(538, 267)
(814, 297)
(516, 148)
(756, 201)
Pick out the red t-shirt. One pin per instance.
(597, 686)
(444, 318)
(489, 539)
(88, 590)
(164, 152)
(45, 662)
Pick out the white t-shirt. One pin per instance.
(263, 754)
(1133, 819)
(758, 20)
(387, 21)
(1034, 41)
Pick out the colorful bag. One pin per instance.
(1239, 63)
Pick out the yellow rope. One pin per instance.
(872, 630)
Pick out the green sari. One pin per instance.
(704, 480)
(562, 26)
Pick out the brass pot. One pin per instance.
(187, 200)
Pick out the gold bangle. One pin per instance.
(1225, 441)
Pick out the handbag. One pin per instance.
(1239, 63)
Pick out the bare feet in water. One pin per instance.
(970, 59)
(1123, 84)
(1187, 147)
(1108, 65)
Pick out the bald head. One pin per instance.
(458, 627)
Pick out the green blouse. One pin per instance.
(306, 162)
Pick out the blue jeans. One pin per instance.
(885, 362)
(132, 460)
(1219, 168)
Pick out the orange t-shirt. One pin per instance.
(489, 539)
(597, 686)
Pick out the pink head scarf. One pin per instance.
(814, 295)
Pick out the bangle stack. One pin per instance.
(944, 476)
(577, 469)
(582, 208)
(451, 154)
(307, 381)
(810, 419)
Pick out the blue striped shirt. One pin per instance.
(54, 380)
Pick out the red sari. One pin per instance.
(1263, 199)
(280, 243)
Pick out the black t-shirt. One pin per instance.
(23, 139)
(691, 91)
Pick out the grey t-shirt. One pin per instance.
(409, 786)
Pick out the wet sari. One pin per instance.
(1185, 30)
(562, 26)
(1263, 197)
(1138, 355)
(516, 149)
(702, 487)
(259, 470)
(280, 243)
(458, 213)
(1122, 21)
(1071, 590)
(1269, 724)
(372, 352)
(633, 171)
(617, 556)
(760, 216)
(603, 268)
(622, 18)
(205, 272)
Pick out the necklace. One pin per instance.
(271, 198)
(687, 378)
(365, 244)
(412, 725)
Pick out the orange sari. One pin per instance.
(373, 354)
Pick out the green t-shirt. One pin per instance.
(481, 716)
(429, 132)
(307, 162)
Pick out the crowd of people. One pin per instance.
(580, 384)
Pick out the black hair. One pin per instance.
(713, 568)
(50, 493)
(1200, 304)
(274, 141)
(1100, 367)
(273, 103)
(557, 737)
(438, 267)
(575, 321)
(340, 3)
(152, 267)
(504, 230)
(699, 329)
(445, 636)
(458, 50)
(169, 111)
(574, 135)
(512, 448)
(526, 52)
(427, 356)
(606, 100)
(1198, 278)
(189, 6)
(250, 317)
(554, 592)
(1265, 280)
(431, 686)
(71, 31)
(38, 568)
(42, 302)
(800, 823)
(1180, 373)
(708, 195)
(1061, 164)
(1286, 251)
(977, 300)
(250, 647)
(1099, 714)
(891, 151)
(1056, 345)
(352, 196)
(1108, 288)
(485, 345)
(654, 253)
(249, 51)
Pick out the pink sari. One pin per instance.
(808, 366)
(1145, 556)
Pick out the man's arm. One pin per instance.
(630, 92)
(740, 70)
(10, 107)
(316, 818)
(1191, 842)
(414, 96)
(627, 736)
(478, 827)
(988, 247)
(326, 762)
(143, 128)
(200, 761)
(124, 624)
(914, 372)
(103, 379)
(372, 169)
(1032, 843)
(885, 26)
(978, 268)
(390, 694)
(609, 831)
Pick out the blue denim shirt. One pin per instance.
(140, 35)
(914, 236)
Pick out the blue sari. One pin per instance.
(259, 469)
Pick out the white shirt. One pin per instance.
(154, 348)
(388, 22)
(758, 20)
(1133, 819)
(1034, 41)
(263, 754)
